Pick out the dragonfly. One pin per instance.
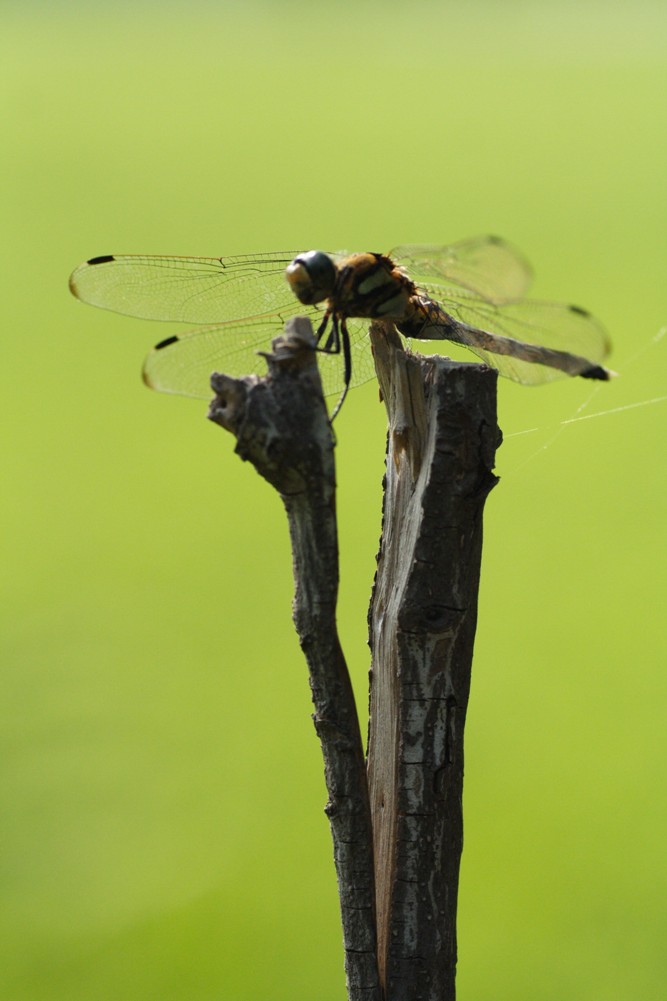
(470, 293)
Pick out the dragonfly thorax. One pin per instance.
(312, 277)
(371, 285)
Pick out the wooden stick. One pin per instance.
(282, 427)
(397, 854)
(440, 454)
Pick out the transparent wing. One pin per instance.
(248, 300)
(556, 326)
(486, 265)
(183, 364)
(186, 289)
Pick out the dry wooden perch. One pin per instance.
(440, 455)
(398, 832)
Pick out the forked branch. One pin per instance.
(397, 849)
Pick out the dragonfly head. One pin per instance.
(311, 277)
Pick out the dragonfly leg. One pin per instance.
(332, 343)
(337, 338)
(344, 340)
(321, 330)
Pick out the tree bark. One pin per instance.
(397, 831)
(282, 427)
(440, 455)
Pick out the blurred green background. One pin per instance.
(162, 789)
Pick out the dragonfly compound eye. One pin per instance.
(312, 277)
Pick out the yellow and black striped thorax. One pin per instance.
(371, 285)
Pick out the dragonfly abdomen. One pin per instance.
(428, 321)
(481, 341)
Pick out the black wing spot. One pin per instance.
(166, 342)
(101, 260)
(579, 310)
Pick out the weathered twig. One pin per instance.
(282, 427)
(440, 453)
